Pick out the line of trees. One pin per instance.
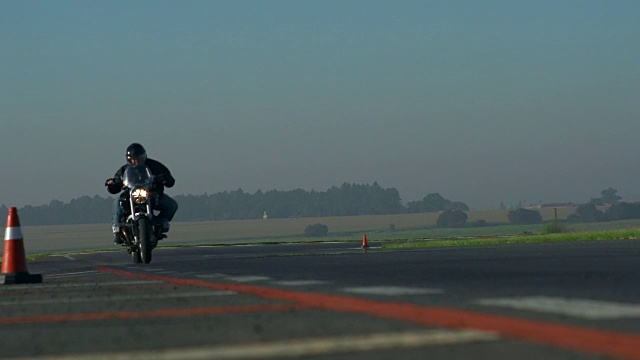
(615, 210)
(346, 200)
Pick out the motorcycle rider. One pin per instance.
(167, 207)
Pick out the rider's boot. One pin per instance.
(118, 239)
(165, 226)
(162, 226)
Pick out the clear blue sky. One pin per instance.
(480, 101)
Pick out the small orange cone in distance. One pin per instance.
(14, 261)
(365, 245)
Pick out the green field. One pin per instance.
(387, 228)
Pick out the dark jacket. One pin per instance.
(162, 177)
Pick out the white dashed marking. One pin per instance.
(303, 348)
(211, 276)
(247, 278)
(582, 308)
(80, 285)
(392, 290)
(72, 274)
(132, 297)
(299, 282)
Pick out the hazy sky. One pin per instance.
(480, 101)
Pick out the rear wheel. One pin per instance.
(145, 230)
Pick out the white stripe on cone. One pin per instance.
(13, 233)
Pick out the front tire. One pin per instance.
(145, 230)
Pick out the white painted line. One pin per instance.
(247, 278)
(301, 348)
(582, 308)
(80, 285)
(300, 282)
(391, 290)
(212, 276)
(80, 273)
(121, 283)
(101, 298)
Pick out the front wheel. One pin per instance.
(145, 230)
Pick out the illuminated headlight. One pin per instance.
(140, 196)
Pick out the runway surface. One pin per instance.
(331, 300)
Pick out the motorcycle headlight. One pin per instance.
(139, 195)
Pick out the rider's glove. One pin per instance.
(114, 185)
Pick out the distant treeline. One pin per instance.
(346, 200)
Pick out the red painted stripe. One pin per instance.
(146, 314)
(607, 343)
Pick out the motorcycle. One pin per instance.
(140, 232)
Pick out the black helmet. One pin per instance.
(137, 152)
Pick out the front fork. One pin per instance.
(130, 228)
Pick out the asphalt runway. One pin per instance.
(331, 301)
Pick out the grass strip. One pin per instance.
(520, 239)
(417, 239)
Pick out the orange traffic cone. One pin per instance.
(14, 262)
(365, 245)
